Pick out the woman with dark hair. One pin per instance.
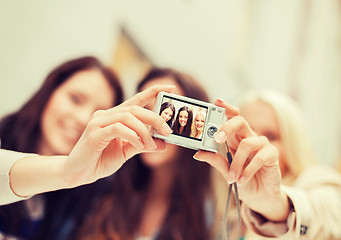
(22, 131)
(183, 122)
(57, 117)
(51, 122)
(167, 112)
(157, 195)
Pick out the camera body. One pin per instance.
(194, 122)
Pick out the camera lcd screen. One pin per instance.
(186, 119)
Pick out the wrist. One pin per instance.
(54, 177)
(63, 173)
(75, 174)
(66, 173)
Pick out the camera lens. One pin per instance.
(211, 131)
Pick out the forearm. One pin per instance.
(36, 174)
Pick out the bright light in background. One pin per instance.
(292, 46)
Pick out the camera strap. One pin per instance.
(227, 206)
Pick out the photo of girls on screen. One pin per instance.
(186, 119)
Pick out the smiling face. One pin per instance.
(199, 122)
(69, 109)
(167, 114)
(183, 117)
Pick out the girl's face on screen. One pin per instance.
(69, 109)
(199, 122)
(183, 117)
(167, 114)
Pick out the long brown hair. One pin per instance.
(20, 131)
(187, 129)
(118, 215)
(166, 105)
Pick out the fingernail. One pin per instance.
(220, 99)
(165, 128)
(241, 181)
(220, 137)
(231, 177)
(196, 158)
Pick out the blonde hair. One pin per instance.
(294, 137)
(296, 145)
(193, 127)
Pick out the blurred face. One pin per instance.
(263, 121)
(161, 159)
(199, 122)
(69, 109)
(183, 117)
(167, 114)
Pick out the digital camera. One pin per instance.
(194, 123)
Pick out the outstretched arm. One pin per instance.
(110, 138)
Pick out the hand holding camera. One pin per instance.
(115, 135)
(255, 166)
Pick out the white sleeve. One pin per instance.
(7, 160)
(316, 212)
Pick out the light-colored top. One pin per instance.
(315, 214)
(7, 160)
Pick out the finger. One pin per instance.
(130, 150)
(123, 132)
(118, 130)
(266, 157)
(134, 124)
(246, 149)
(231, 111)
(236, 126)
(143, 115)
(142, 98)
(216, 160)
(161, 146)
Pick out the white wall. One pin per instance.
(292, 46)
(39, 34)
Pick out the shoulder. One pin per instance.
(318, 175)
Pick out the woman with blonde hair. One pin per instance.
(198, 125)
(313, 191)
(278, 118)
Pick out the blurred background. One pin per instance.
(292, 46)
